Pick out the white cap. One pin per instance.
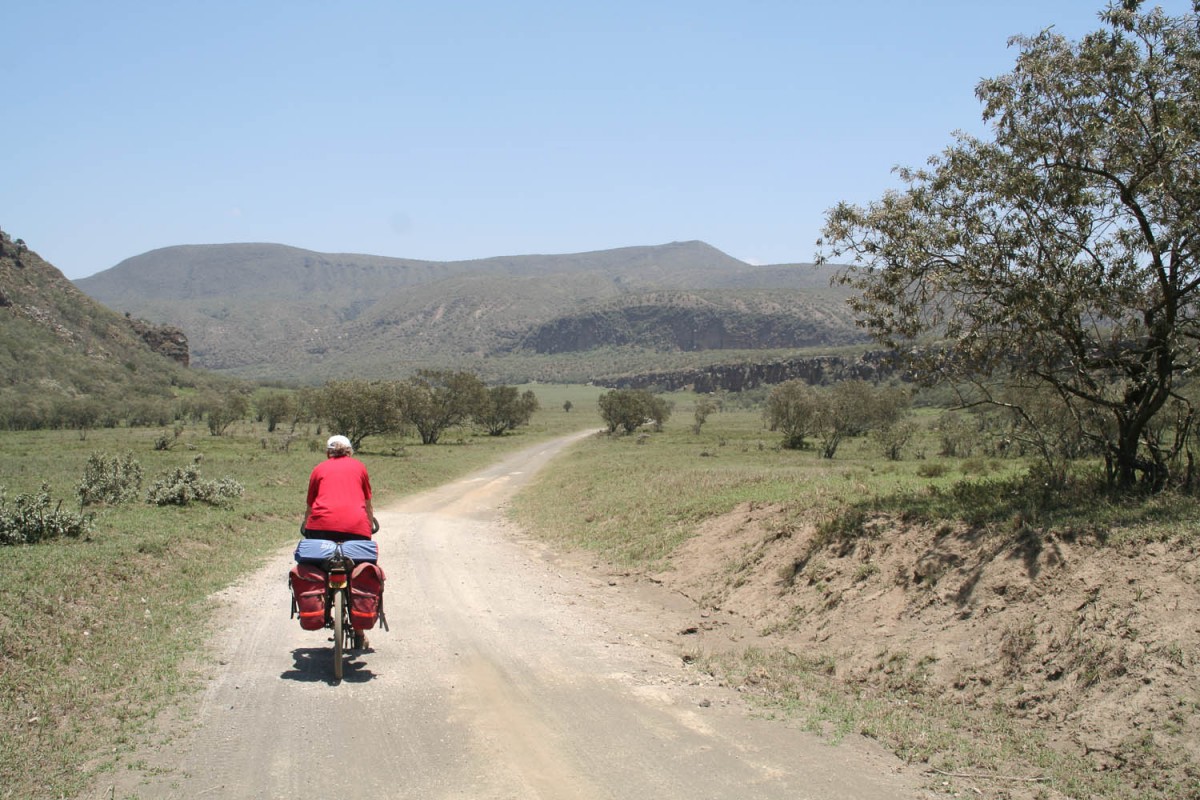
(338, 442)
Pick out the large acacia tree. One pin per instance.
(1062, 251)
(357, 409)
(435, 400)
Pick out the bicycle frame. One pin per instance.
(337, 606)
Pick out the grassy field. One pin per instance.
(99, 635)
(632, 499)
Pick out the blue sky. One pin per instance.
(455, 130)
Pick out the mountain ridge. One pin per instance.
(261, 310)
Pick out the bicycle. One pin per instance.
(325, 572)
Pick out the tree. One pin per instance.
(794, 409)
(846, 409)
(1062, 253)
(505, 408)
(357, 409)
(435, 400)
(224, 411)
(894, 437)
(658, 410)
(704, 406)
(629, 409)
(276, 407)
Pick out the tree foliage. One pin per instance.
(705, 405)
(436, 400)
(854, 407)
(794, 409)
(833, 413)
(223, 411)
(629, 409)
(505, 408)
(275, 407)
(1062, 252)
(357, 409)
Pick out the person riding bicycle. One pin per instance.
(339, 502)
(339, 496)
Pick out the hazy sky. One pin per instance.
(453, 130)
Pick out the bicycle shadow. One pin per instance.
(315, 665)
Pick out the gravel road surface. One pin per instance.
(507, 673)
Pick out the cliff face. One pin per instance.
(165, 340)
(688, 329)
(817, 371)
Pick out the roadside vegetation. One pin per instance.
(103, 623)
(788, 539)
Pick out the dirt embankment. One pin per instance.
(1093, 646)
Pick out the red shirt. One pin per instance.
(338, 491)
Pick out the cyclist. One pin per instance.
(339, 496)
(339, 502)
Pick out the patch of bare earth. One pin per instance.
(1091, 648)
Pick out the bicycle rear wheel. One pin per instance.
(339, 637)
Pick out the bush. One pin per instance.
(932, 469)
(794, 409)
(30, 519)
(183, 486)
(629, 409)
(109, 479)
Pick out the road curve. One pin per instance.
(504, 675)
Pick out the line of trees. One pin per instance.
(429, 404)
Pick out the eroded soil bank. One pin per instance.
(1089, 650)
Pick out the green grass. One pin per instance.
(99, 635)
(633, 499)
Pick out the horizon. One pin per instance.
(434, 261)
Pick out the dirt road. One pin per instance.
(505, 675)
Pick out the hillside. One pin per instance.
(61, 350)
(271, 311)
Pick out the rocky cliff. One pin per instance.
(877, 365)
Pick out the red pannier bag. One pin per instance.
(308, 595)
(366, 596)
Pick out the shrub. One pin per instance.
(629, 409)
(932, 469)
(184, 485)
(794, 409)
(109, 479)
(30, 519)
(958, 435)
(167, 441)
